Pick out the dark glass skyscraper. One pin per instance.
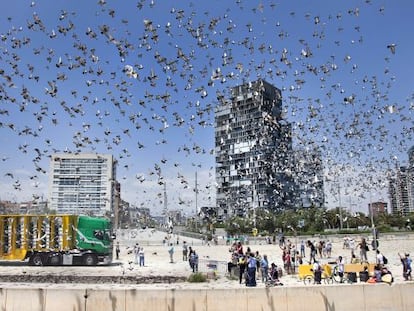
(253, 147)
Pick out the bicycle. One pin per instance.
(345, 276)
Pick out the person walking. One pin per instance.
(406, 263)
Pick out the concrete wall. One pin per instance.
(355, 297)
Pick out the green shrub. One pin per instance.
(197, 277)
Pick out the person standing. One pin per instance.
(242, 267)
(379, 258)
(258, 261)
(352, 244)
(251, 270)
(194, 261)
(239, 248)
(317, 272)
(298, 259)
(302, 249)
(117, 250)
(185, 251)
(320, 246)
(171, 252)
(341, 269)
(363, 248)
(293, 263)
(312, 251)
(264, 266)
(136, 253)
(287, 262)
(141, 255)
(328, 249)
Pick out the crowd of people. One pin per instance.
(250, 263)
(251, 266)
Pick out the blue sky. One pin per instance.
(181, 55)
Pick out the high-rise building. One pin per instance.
(401, 187)
(83, 183)
(410, 183)
(253, 147)
(411, 157)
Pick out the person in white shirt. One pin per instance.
(341, 268)
(379, 258)
(141, 255)
(317, 272)
(136, 253)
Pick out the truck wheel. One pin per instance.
(89, 259)
(37, 260)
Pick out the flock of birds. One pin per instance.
(141, 81)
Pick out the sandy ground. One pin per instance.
(157, 261)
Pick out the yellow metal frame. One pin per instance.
(16, 239)
(306, 270)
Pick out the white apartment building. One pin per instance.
(83, 183)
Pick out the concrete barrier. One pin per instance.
(355, 297)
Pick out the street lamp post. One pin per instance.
(295, 232)
(254, 196)
(340, 207)
(371, 211)
(196, 200)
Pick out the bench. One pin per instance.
(359, 267)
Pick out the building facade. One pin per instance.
(401, 187)
(83, 184)
(253, 146)
(377, 208)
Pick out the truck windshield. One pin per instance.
(99, 234)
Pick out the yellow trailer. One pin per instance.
(49, 239)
